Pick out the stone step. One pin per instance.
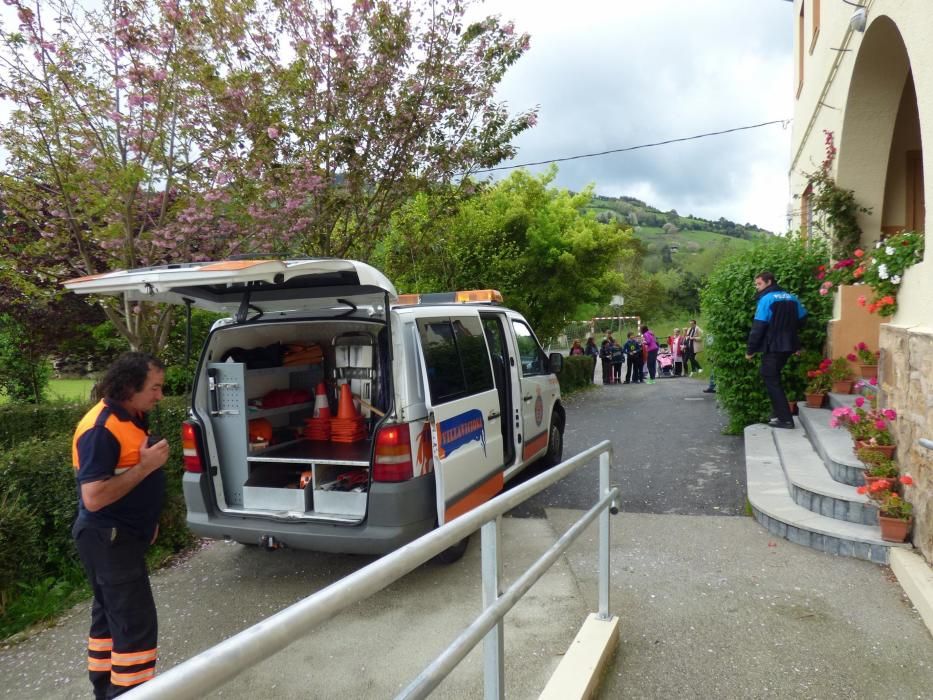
(812, 487)
(834, 445)
(774, 508)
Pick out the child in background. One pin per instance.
(633, 364)
(617, 358)
(605, 356)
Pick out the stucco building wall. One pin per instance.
(857, 85)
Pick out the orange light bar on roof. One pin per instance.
(487, 295)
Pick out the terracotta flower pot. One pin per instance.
(843, 386)
(815, 400)
(868, 371)
(894, 529)
(792, 405)
(886, 450)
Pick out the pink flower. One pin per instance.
(907, 480)
(273, 132)
(833, 422)
(890, 413)
(851, 357)
(860, 401)
(881, 425)
(824, 292)
(859, 253)
(873, 381)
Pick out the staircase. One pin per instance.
(801, 486)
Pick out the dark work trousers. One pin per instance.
(771, 365)
(652, 363)
(124, 631)
(616, 372)
(690, 359)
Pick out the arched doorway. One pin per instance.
(880, 149)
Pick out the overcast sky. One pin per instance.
(616, 73)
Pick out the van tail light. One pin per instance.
(392, 461)
(190, 441)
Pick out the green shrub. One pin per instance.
(728, 306)
(576, 374)
(24, 368)
(38, 473)
(19, 537)
(22, 422)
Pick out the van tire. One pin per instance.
(555, 444)
(454, 553)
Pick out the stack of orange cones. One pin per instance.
(348, 426)
(318, 427)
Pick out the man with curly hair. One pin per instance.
(121, 489)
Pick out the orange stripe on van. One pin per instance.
(534, 446)
(476, 497)
(232, 265)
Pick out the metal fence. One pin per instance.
(212, 668)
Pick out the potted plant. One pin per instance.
(895, 515)
(870, 428)
(866, 359)
(842, 376)
(818, 385)
(877, 466)
(884, 268)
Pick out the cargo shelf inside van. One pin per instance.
(354, 454)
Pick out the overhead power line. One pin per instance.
(782, 122)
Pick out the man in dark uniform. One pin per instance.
(121, 488)
(778, 317)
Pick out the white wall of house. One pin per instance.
(874, 91)
(852, 84)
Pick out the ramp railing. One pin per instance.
(212, 668)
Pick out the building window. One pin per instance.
(806, 213)
(815, 11)
(800, 50)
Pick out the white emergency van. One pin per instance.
(328, 413)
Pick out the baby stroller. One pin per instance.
(665, 361)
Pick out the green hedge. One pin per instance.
(728, 306)
(576, 374)
(23, 422)
(38, 492)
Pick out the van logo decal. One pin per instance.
(539, 408)
(461, 430)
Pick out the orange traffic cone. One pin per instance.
(346, 410)
(321, 404)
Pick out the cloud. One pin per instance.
(610, 75)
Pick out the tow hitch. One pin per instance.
(269, 543)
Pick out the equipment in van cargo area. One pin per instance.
(348, 426)
(353, 364)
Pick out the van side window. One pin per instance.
(456, 357)
(532, 356)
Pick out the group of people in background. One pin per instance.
(639, 354)
(684, 346)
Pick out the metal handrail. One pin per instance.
(212, 668)
(926, 443)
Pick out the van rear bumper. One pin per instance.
(396, 514)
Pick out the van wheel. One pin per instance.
(453, 553)
(555, 444)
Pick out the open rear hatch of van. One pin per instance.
(299, 327)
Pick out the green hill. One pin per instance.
(690, 243)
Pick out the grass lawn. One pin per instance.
(70, 389)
